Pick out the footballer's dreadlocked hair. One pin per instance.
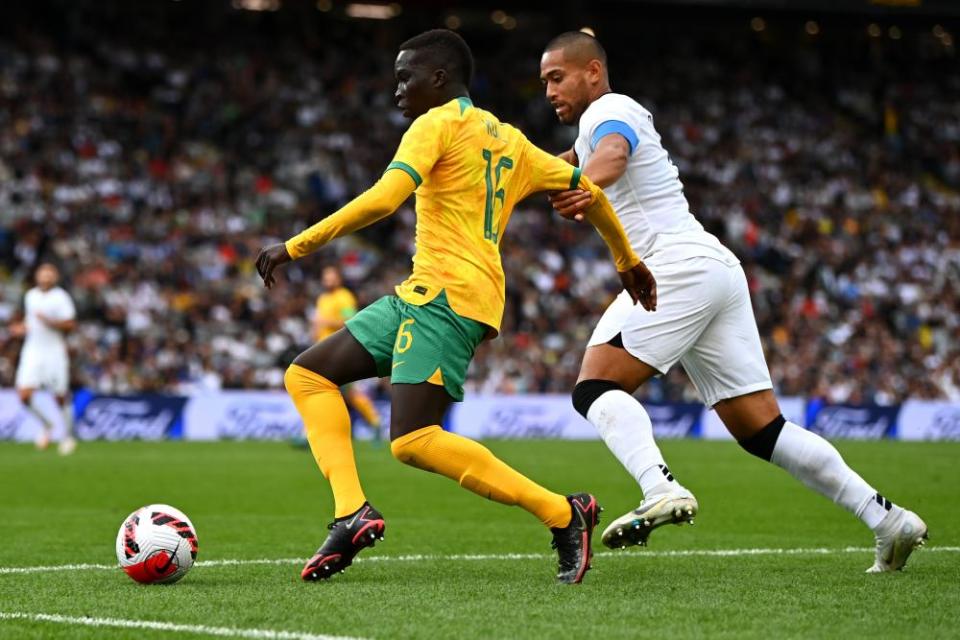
(583, 45)
(447, 50)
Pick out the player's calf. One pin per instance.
(627, 430)
(43, 438)
(817, 464)
(348, 536)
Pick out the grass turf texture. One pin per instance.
(267, 500)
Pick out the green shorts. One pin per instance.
(414, 344)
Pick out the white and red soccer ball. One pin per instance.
(157, 544)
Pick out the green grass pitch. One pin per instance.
(268, 501)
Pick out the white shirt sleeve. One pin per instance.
(613, 115)
(65, 307)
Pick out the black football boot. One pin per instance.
(573, 541)
(348, 536)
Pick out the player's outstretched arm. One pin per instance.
(378, 202)
(606, 166)
(570, 156)
(550, 173)
(17, 327)
(58, 325)
(636, 278)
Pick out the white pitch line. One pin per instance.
(644, 553)
(227, 632)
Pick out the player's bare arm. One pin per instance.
(18, 329)
(18, 325)
(569, 156)
(634, 275)
(605, 167)
(60, 325)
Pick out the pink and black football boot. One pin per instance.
(348, 536)
(573, 541)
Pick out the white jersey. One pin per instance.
(648, 198)
(54, 304)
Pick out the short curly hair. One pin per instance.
(447, 50)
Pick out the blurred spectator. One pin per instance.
(153, 172)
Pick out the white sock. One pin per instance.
(625, 426)
(817, 464)
(67, 411)
(39, 415)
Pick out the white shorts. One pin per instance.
(704, 319)
(44, 370)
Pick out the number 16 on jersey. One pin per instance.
(494, 193)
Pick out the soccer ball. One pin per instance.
(157, 544)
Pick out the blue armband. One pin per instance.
(614, 126)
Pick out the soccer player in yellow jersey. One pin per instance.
(335, 306)
(468, 171)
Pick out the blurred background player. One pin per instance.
(49, 314)
(335, 306)
(705, 321)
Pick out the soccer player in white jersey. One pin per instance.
(704, 320)
(49, 315)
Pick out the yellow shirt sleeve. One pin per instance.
(602, 216)
(376, 203)
(420, 148)
(547, 172)
(423, 144)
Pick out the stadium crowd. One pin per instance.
(152, 174)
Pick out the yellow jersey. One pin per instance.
(338, 305)
(470, 170)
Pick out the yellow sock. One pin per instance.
(364, 406)
(477, 469)
(328, 430)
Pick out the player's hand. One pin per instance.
(50, 322)
(641, 286)
(18, 330)
(269, 259)
(570, 204)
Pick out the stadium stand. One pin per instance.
(153, 171)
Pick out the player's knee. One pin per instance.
(406, 452)
(396, 449)
(299, 381)
(587, 391)
(293, 380)
(417, 447)
(761, 443)
(289, 380)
